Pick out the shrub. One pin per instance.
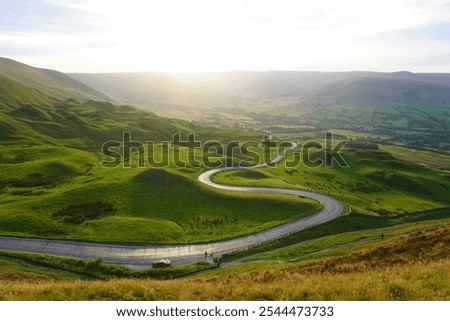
(81, 212)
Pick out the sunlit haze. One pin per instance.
(197, 36)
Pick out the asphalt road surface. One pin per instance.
(143, 256)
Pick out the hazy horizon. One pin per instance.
(231, 71)
(100, 36)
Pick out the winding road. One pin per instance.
(142, 256)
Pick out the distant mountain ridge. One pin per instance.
(146, 89)
(31, 117)
(411, 108)
(386, 88)
(228, 89)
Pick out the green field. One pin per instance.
(347, 242)
(343, 228)
(148, 205)
(375, 182)
(53, 184)
(52, 177)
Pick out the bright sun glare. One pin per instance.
(205, 35)
(192, 36)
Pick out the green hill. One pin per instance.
(410, 108)
(28, 114)
(383, 88)
(50, 163)
(51, 82)
(374, 182)
(52, 185)
(14, 94)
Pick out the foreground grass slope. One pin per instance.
(408, 268)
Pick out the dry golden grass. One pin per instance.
(413, 282)
(14, 276)
(416, 267)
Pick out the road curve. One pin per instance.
(142, 256)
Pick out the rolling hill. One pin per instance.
(51, 82)
(388, 88)
(29, 115)
(409, 108)
(53, 186)
(52, 176)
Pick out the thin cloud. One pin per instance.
(424, 34)
(44, 16)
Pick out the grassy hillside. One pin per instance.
(14, 94)
(52, 185)
(51, 164)
(375, 182)
(341, 232)
(51, 82)
(408, 108)
(155, 206)
(30, 114)
(383, 88)
(346, 242)
(397, 269)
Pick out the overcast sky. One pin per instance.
(208, 35)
